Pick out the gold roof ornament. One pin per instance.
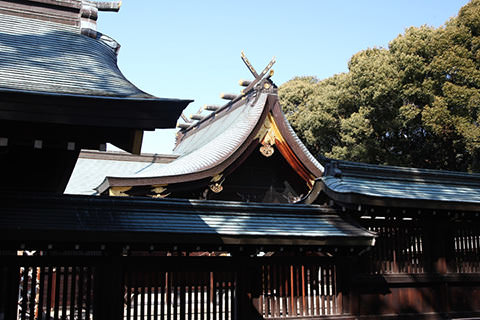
(267, 150)
(217, 180)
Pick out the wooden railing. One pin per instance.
(412, 247)
(398, 249)
(55, 292)
(466, 247)
(298, 290)
(230, 288)
(172, 295)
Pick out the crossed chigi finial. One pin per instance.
(249, 85)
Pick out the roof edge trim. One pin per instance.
(96, 97)
(211, 171)
(355, 198)
(294, 142)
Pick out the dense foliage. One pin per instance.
(416, 103)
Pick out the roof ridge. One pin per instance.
(125, 156)
(350, 168)
(231, 105)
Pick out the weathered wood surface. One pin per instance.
(212, 288)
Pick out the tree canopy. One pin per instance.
(415, 103)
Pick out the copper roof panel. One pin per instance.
(213, 144)
(43, 56)
(137, 216)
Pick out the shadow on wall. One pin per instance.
(414, 295)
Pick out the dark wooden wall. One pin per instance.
(423, 265)
(275, 182)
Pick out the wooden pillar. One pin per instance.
(439, 231)
(451, 263)
(449, 237)
(3, 290)
(248, 282)
(349, 267)
(108, 289)
(344, 282)
(10, 279)
(437, 251)
(242, 292)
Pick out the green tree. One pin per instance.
(415, 103)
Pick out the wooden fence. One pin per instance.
(298, 290)
(417, 268)
(466, 247)
(399, 249)
(167, 288)
(193, 295)
(55, 292)
(420, 246)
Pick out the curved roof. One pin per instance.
(359, 183)
(295, 143)
(213, 142)
(208, 149)
(211, 145)
(93, 166)
(216, 141)
(49, 57)
(51, 73)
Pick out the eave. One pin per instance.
(292, 149)
(40, 220)
(355, 184)
(117, 120)
(53, 76)
(221, 155)
(216, 157)
(90, 110)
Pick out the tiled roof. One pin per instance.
(139, 218)
(232, 127)
(92, 168)
(210, 145)
(48, 57)
(358, 182)
(404, 189)
(214, 142)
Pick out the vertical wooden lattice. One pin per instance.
(398, 249)
(466, 245)
(175, 295)
(298, 290)
(55, 292)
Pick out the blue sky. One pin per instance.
(191, 49)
